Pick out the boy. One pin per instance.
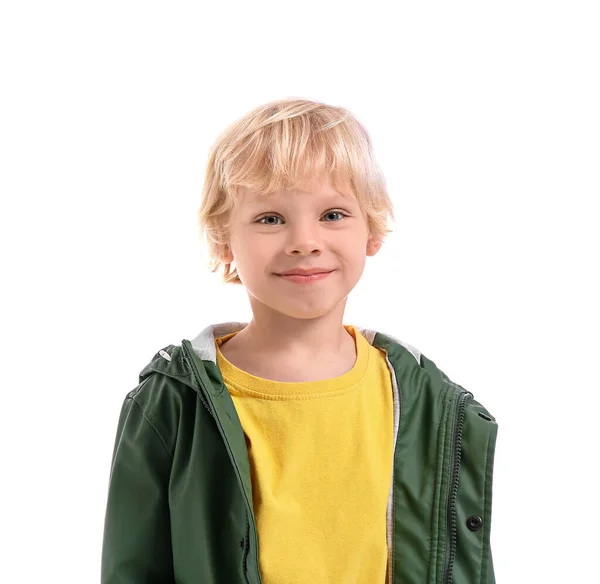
(295, 448)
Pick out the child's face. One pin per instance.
(299, 229)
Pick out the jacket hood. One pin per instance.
(172, 361)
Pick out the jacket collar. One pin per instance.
(170, 359)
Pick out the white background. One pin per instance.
(485, 122)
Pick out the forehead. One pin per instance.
(323, 189)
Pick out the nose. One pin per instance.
(304, 238)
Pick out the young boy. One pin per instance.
(296, 448)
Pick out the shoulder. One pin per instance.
(406, 359)
(416, 372)
(165, 390)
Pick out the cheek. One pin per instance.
(256, 248)
(254, 252)
(352, 247)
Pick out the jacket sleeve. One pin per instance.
(136, 544)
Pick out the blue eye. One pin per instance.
(334, 213)
(327, 213)
(266, 217)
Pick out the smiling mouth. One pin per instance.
(300, 279)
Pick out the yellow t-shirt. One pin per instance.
(321, 466)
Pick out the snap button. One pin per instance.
(474, 522)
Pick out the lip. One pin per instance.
(308, 279)
(305, 272)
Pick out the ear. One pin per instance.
(227, 256)
(373, 245)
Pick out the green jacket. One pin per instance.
(179, 507)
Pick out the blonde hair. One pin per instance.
(284, 144)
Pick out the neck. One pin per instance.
(313, 337)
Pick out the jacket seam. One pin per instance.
(397, 437)
(153, 424)
(137, 389)
(171, 373)
(485, 527)
(438, 483)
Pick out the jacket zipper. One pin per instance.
(246, 550)
(237, 470)
(451, 535)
